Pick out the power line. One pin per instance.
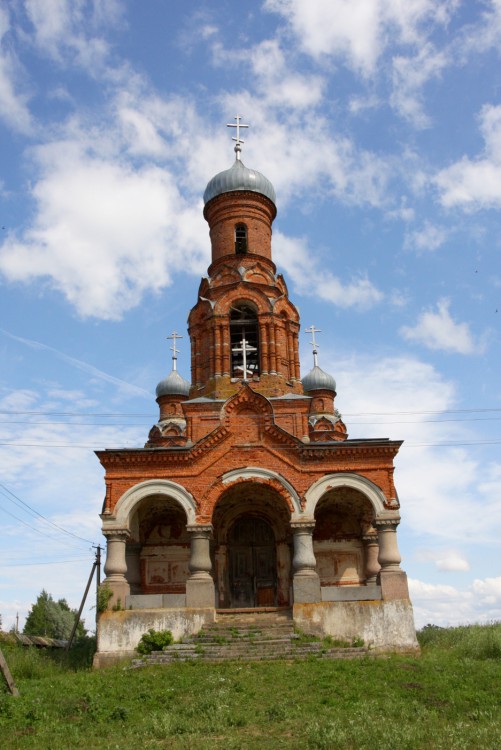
(37, 531)
(275, 446)
(75, 414)
(347, 414)
(36, 564)
(40, 515)
(249, 417)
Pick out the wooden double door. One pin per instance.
(252, 563)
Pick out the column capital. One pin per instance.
(370, 539)
(120, 535)
(386, 524)
(204, 529)
(307, 525)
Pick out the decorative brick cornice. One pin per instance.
(351, 448)
(147, 456)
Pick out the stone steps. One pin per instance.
(248, 636)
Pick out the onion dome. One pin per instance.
(238, 177)
(317, 380)
(173, 385)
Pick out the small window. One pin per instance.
(240, 239)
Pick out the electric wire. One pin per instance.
(37, 531)
(40, 515)
(45, 562)
(347, 414)
(275, 446)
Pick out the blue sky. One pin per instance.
(379, 124)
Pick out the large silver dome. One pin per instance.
(173, 385)
(317, 380)
(238, 177)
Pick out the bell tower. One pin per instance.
(249, 493)
(243, 327)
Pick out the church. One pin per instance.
(248, 495)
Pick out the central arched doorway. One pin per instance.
(252, 563)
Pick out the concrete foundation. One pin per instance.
(120, 632)
(351, 593)
(383, 626)
(200, 592)
(155, 601)
(306, 588)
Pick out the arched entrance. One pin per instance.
(252, 563)
(252, 547)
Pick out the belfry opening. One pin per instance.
(248, 494)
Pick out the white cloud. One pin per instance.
(126, 388)
(452, 563)
(438, 330)
(66, 30)
(274, 78)
(410, 73)
(13, 103)
(105, 233)
(430, 237)
(474, 184)
(293, 256)
(358, 31)
(403, 398)
(488, 590)
(445, 560)
(443, 605)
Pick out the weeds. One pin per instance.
(154, 640)
(443, 700)
(470, 641)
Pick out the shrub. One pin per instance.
(468, 641)
(154, 640)
(104, 595)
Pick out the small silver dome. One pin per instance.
(238, 177)
(173, 385)
(317, 380)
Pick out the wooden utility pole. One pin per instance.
(96, 566)
(8, 677)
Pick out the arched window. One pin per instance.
(244, 338)
(240, 239)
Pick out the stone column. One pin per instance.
(290, 355)
(263, 339)
(272, 348)
(200, 584)
(296, 356)
(115, 566)
(133, 561)
(372, 567)
(306, 582)
(392, 577)
(226, 355)
(219, 349)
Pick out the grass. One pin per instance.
(448, 698)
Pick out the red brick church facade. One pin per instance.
(248, 493)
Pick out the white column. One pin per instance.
(133, 561)
(306, 582)
(115, 566)
(200, 563)
(200, 591)
(372, 566)
(389, 556)
(391, 576)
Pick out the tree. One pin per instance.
(53, 619)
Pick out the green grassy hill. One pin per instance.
(449, 697)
